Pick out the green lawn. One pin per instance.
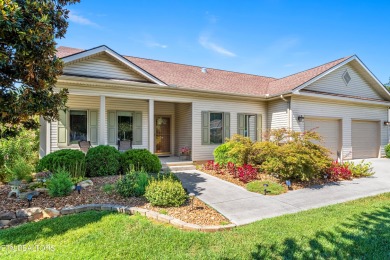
(358, 229)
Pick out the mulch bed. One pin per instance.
(266, 177)
(199, 213)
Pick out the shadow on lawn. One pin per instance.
(363, 236)
(48, 227)
(190, 181)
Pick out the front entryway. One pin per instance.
(163, 135)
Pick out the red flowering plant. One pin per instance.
(338, 171)
(247, 173)
(185, 150)
(232, 169)
(213, 166)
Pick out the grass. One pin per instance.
(355, 230)
(272, 189)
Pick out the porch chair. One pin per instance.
(124, 145)
(84, 146)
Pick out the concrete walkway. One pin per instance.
(243, 207)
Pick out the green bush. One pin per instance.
(361, 169)
(72, 161)
(272, 189)
(140, 159)
(387, 150)
(235, 150)
(20, 170)
(291, 155)
(102, 160)
(132, 184)
(60, 184)
(24, 147)
(165, 192)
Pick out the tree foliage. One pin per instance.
(28, 64)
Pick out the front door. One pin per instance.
(163, 134)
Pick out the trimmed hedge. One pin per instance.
(140, 159)
(72, 161)
(102, 160)
(166, 192)
(132, 184)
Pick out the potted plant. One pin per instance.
(185, 153)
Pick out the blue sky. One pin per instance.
(270, 37)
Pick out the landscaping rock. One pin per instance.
(23, 195)
(7, 215)
(4, 222)
(50, 213)
(86, 183)
(165, 218)
(34, 213)
(17, 221)
(67, 211)
(42, 190)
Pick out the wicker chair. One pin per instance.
(124, 145)
(84, 146)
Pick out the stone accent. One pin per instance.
(86, 183)
(23, 195)
(8, 219)
(42, 190)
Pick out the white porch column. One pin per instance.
(102, 121)
(151, 125)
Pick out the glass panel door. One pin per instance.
(163, 134)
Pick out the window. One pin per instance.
(77, 126)
(247, 125)
(125, 126)
(216, 128)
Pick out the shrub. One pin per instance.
(247, 173)
(338, 171)
(20, 170)
(60, 184)
(291, 155)
(387, 150)
(102, 160)
(108, 188)
(166, 192)
(235, 150)
(132, 184)
(72, 161)
(24, 147)
(140, 159)
(273, 188)
(361, 169)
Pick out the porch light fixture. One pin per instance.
(29, 199)
(288, 183)
(265, 188)
(386, 123)
(301, 118)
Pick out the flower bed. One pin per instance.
(200, 213)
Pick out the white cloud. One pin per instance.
(153, 44)
(207, 44)
(73, 17)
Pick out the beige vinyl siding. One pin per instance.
(365, 139)
(205, 152)
(277, 115)
(167, 109)
(102, 65)
(123, 104)
(330, 130)
(334, 83)
(346, 111)
(183, 112)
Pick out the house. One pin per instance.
(163, 106)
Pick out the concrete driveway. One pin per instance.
(243, 207)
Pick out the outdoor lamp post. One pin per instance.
(78, 188)
(192, 196)
(29, 199)
(288, 183)
(265, 188)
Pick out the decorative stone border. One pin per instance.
(36, 214)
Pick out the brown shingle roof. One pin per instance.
(192, 77)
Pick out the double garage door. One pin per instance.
(365, 136)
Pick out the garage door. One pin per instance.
(330, 130)
(365, 139)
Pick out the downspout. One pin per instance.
(289, 122)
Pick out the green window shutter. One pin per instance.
(93, 127)
(226, 125)
(111, 127)
(137, 128)
(241, 124)
(205, 127)
(259, 124)
(62, 128)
